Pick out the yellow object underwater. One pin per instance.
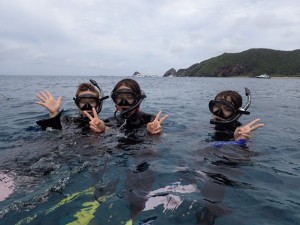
(129, 222)
(82, 217)
(85, 215)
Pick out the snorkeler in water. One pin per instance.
(127, 96)
(226, 110)
(135, 125)
(89, 101)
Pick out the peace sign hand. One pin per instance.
(96, 125)
(155, 127)
(245, 131)
(49, 102)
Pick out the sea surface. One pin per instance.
(178, 177)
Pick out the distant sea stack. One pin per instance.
(136, 74)
(171, 72)
(248, 63)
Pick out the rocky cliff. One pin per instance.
(251, 63)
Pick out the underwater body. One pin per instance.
(178, 177)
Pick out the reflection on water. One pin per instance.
(6, 186)
(63, 177)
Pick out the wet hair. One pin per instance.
(235, 98)
(130, 83)
(87, 87)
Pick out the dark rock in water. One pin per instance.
(136, 73)
(170, 72)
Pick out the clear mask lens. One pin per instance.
(124, 98)
(87, 102)
(84, 101)
(222, 108)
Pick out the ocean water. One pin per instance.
(62, 177)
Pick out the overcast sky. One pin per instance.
(119, 37)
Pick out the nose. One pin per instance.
(219, 113)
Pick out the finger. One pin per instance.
(158, 131)
(253, 122)
(246, 136)
(163, 119)
(40, 103)
(153, 124)
(48, 93)
(59, 100)
(44, 94)
(156, 128)
(95, 129)
(88, 115)
(257, 126)
(41, 97)
(95, 113)
(157, 116)
(238, 130)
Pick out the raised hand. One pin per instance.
(49, 102)
(245, 131)
(155, 127)
(96, 125)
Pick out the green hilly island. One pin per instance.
(249, 63)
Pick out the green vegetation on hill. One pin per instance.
(251, 63)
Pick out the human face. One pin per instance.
(86, 100)
(124, 98)
(222, 109)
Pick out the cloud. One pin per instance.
(119, 37)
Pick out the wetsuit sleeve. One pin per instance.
(147, 118)
(53, 122)
(219, 144)
(110, 122)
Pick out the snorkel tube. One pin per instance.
(101, 94)
(242, 110)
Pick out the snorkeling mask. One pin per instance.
(222, 108)
(226, 110)
(90, 101)
(126, 97)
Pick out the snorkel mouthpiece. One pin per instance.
(239, 112)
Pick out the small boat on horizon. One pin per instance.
(265, 76)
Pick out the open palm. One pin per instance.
(49, 102)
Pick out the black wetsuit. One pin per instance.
(66, 122)
(134, 121)
(225, 132)
(133, 127)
